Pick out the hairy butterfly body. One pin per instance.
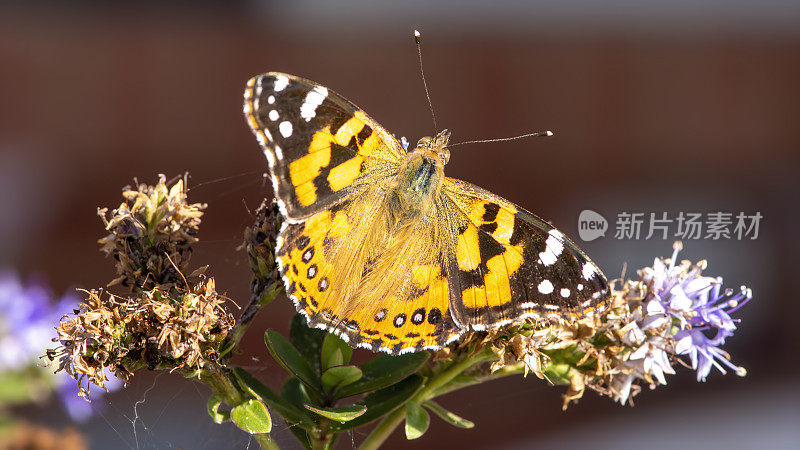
(379, 247)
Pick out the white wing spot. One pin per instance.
(553, 247)
(271, 99)
(278, 152)
(580, 287)
(314, 98)
(273, 115)
(280, 83)
(286, 128)
(565, 292)
(545, 287)
(588, 270)
(547, 258)
(270, 158)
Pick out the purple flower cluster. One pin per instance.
(28, 314)
(699, 310)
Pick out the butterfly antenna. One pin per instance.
(537, 134)
(417, 37)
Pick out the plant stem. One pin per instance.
(515, 369)
(431, 390)
(321, 437)
(219, 380)
(384, 429)
(446, 376)
(265, 441)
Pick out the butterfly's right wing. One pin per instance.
(509, 264)
(320, 147)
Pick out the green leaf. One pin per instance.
(384, 401)
(291, 360)
(289, 411)
(448, 416)
(417, 420)
(294, 392)
(336, 377)
(270, 293)
(307, 340)
(558, 374)
(384, 370)
(335, 352)
(568, 355)
(252, 416)
(212, 407)
(340, 414)
(562, 361)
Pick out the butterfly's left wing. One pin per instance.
(321, 148)
(509, 264)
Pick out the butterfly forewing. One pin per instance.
(509, 264)
(319, 146)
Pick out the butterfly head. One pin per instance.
(436, 146)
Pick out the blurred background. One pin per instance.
(657, 106)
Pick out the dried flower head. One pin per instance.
(150, 329)
(259, 242)
(151, 233)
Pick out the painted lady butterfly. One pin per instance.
(379, 247)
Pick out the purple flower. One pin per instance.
(403, 142)
(698, 307)
(78, 408)
(28, 316)
(703, 352)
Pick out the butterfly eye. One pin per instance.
(424, 142)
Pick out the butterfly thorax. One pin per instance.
(420, 176)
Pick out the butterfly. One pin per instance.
(380, 248)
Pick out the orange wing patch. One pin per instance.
(493, 262)
(328, 164)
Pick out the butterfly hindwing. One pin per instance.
(316, 254)
(318, 144)
(509, 264)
